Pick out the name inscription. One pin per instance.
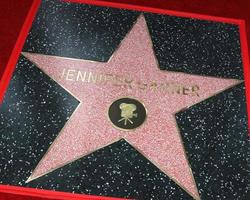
(129, 83)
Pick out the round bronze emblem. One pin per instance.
(127, 113)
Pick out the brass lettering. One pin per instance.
(153, 86)
(70, 75)
(81, 76)
(92, 77)
(164, 87)
(141, 85)
(117, 81)
(128, 83)
(185, 91)
(108, 78)
(101, 76)
(177, 89)
(63, 73)
(195, 90)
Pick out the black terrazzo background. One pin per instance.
(34, 110)
(78, 31)
(215, 140)
(196, 46)
(217, 145)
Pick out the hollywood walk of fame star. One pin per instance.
(89, 129)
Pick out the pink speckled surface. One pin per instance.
(89, 129)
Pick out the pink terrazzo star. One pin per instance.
(89, 128)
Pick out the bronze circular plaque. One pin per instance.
(127, 113)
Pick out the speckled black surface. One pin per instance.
(217, 145)
(78, 31)
(34, 110)
(196, 46)
(214, 131)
